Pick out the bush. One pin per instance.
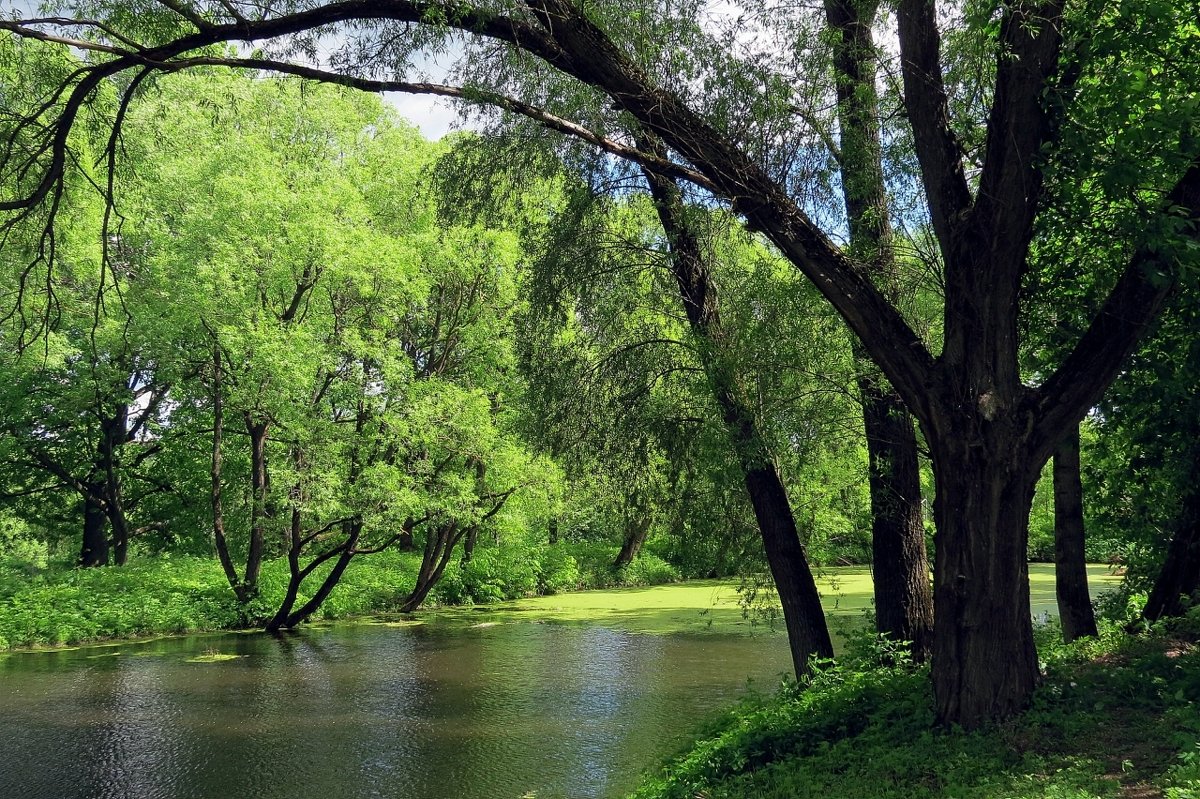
(558, 571)
(647, 569)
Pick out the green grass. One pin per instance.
(169, 595)
(1116, 718)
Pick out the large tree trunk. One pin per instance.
(903, 595)
(1070, 560)
(94, 551)
(984, 660)
(1179, 580)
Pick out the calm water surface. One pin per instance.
(452, 710)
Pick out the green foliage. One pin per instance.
(1112, 712)
(559, 571)
(169, 595)
(646, 569)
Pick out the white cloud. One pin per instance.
(434, 117)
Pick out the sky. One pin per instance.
(434, 117)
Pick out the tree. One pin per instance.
(1070, 560)
(988, 431)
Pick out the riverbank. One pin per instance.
(57, 605)
(61, 606)
(1116, 717)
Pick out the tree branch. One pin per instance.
(1019, 122)
(1140, 292)
(938, 150)
(565, 39)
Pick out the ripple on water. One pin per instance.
(431, 711)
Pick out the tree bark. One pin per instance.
(903, 594)
(113, 431)
(984, 660)
(295, 575)
(439, 545)
(903, 597)
(94, 551)
(637, 527)
(808, 634)
(1178, 582)
(258, 430)
(353, 532)
(215, 488)
(469, 542)
(1070, 560)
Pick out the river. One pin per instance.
(518, 703)
(518, 709)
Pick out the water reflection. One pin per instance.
(444, 710)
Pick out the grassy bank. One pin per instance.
(56, 605)
(1114, 718)
(59, 605)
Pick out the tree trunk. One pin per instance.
(472, 534)
(637, 528)
(1070, 560)
(804, 618)
(215, 490)
(903, 595)
(295, 575)
(1179, 580)
(903, 598)
(469, 542)
(258, 430)
(285, 617)
(112, 436)
(404, 542)
(808, 634)
(120, 529)
(95, 538)
(353, 531)
(552, 530)
(439, 545)
(984, 660)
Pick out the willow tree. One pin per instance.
(989, 431)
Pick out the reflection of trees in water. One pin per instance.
(437, 711)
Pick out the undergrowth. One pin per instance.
(48, 604)
(1115, 717)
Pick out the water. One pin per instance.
(447, 709)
